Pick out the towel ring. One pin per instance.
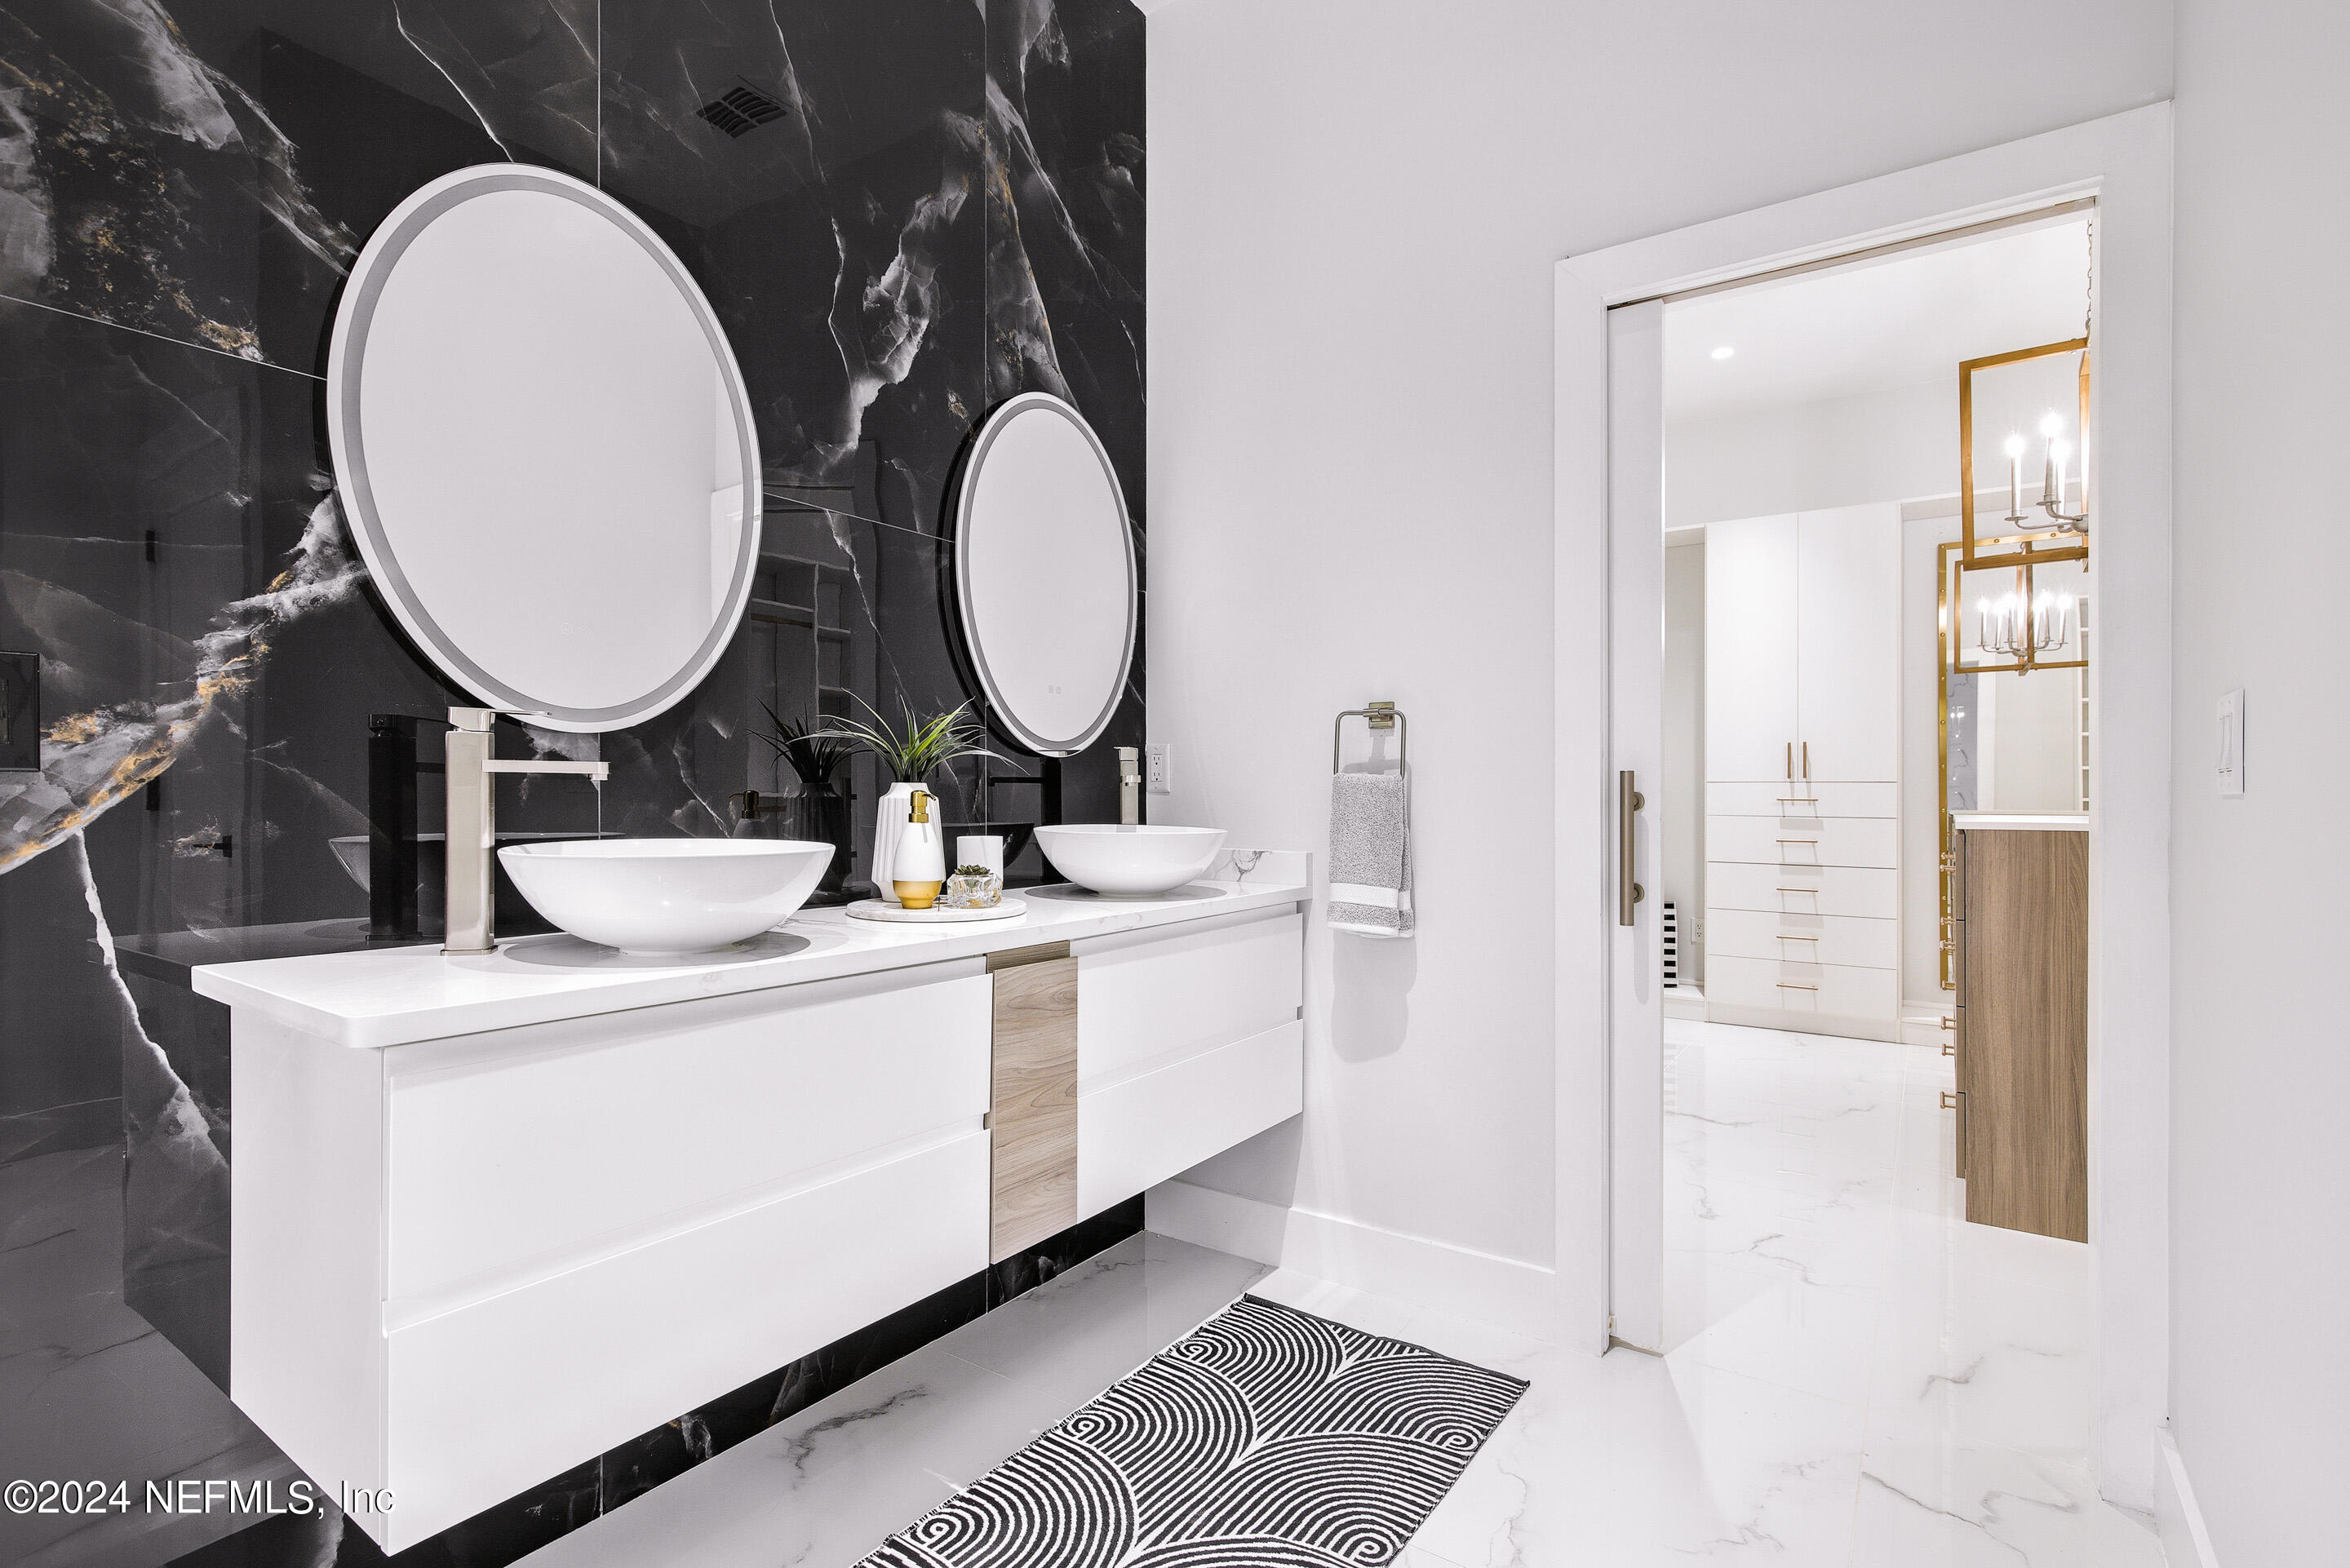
(1379, 716)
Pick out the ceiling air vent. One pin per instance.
(741, 111)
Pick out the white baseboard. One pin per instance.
(1508, 1294)
(2185, 1541)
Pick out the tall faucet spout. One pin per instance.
(1129, 787)
(472, 834)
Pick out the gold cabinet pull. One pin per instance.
(1628, 801)
(1795, 841)
(1791, 937)
(1791, 759)
(1807, 759)
(1785, 985)
(1949, 1099)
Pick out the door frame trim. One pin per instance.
(2123, 161)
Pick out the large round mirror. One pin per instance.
(1045, 574)
(543, 448)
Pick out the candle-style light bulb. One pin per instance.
(2052, 429)
(2014, 450)
(2060, 452)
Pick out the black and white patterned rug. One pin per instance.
(1266, 1438)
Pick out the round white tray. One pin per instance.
(938, 915)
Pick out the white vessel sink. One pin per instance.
(1130, 862)
(666, 896)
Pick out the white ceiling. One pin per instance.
(1893, 323)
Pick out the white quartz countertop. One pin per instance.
(2027, 821)
(393, 996)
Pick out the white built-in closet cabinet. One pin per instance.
(1803, 767)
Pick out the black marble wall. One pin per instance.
(950, 211)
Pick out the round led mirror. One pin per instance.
(1045, 574)
(543, 448)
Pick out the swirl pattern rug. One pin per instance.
(1266, 1438)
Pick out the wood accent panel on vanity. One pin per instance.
(1033, 1114)
(2023, 987)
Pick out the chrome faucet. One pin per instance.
(1129, 787)
(472, 834)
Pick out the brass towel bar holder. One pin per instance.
(1379, 716)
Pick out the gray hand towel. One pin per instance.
(1370, 854)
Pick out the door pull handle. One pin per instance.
(1629, 893)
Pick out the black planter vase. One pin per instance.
(821, 816)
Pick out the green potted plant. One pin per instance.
(912, 748)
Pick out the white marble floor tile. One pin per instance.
(1974, 1358)
(1858, 1378)
(1074, 1336)
(1809, 1338)
(1935, 1504)
(823, 1488)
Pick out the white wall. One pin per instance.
(2260, 1167)
(1891, 445)
(1682, 809)
(1356, 208)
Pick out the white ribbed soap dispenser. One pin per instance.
(918, 868)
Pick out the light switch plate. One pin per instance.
(20, 712)
(2232, 745)
(1160, 770)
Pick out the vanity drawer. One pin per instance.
(1146, 998)
(1829, 841)
(1827, 990)
(1817, 939)
(1140, 1129)
(1866, 892)
(532, 1149)
(493, 1397)
(1803, 799)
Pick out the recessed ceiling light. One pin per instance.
(1724, 352)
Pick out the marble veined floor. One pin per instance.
(1857, 1377)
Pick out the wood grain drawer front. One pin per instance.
(1838, 991)
(1138, 1133)
(1151, 998)
(1803, 799)
(540, 1147)
(485, 1401)
(2023, 984)
(1864, 892)
(1034, 1185)
(1816, 939)
(1830, 841)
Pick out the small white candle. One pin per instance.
(2015, 477)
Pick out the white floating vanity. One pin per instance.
(493, 1215)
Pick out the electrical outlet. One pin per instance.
(1161, 768)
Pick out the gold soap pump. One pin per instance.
(918, 866)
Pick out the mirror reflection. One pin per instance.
(545, 447)
(1045, 574)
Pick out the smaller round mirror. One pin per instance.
(543, 448)
(1045, 575)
